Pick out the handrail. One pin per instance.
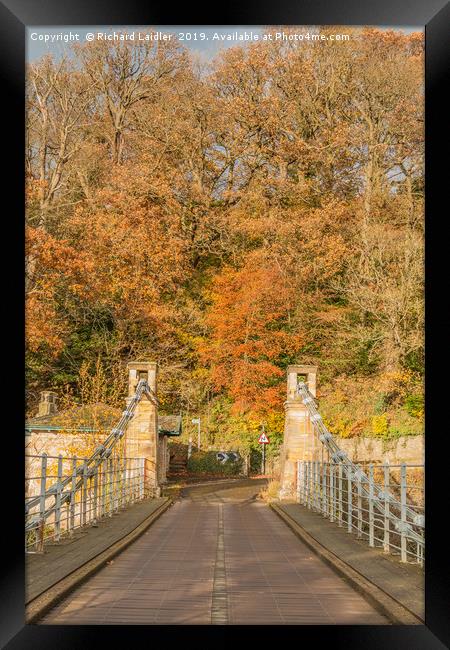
(352, 471)
(90, 466)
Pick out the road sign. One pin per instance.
(196, 421)
(263, 439)
(223, 456)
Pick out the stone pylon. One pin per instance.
(141, 438)
(299, 440)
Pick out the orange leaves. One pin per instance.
(250, 332)
(133, 240)
(53, 268)
(42, 325)
(232, 228)
(55, 255)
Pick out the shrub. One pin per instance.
(271, 492)
(343, 427)
(380, 426)
(414, 405)
(402, 423)
(206, 463)
(380, 404)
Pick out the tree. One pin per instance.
(126, 74)
(250, 337)
(226, 219)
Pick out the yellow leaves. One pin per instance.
(200, 374)
(275, 422)
(344, 427)
(403, 381)
(380, 425)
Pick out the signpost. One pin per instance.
(263, 440)
(197, 421)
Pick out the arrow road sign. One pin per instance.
(223, 456)
(263, 439)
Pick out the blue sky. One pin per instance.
(206, 49)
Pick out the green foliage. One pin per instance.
(415, 405)
(256, 460)
(366, 362)
(380, 404)
(394, 432)
(414, 361)
(202, 462)
(241, 432)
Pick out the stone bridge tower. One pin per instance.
(141, 438)
(299, 440)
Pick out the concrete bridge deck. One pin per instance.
(217, 556)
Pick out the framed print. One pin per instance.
(234, 324)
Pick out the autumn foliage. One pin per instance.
(250, 334)
(226, 219)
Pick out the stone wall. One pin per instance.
(407, 449)
(54, 443)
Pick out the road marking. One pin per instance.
(219, 605)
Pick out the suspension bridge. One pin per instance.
(342, 544)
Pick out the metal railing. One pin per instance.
(106, 477)
(373, 494)
(117, 483)
(326, 488)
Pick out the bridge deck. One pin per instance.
(45, 570)
(404, 582)
(216, 557)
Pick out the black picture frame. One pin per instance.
(15, 16)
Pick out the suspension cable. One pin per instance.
(353, 471)
(91, 464)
